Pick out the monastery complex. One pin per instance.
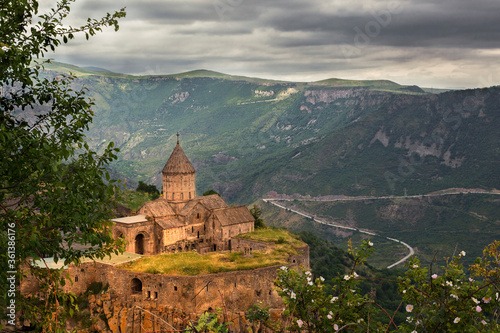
(179, 220)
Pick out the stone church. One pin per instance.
(179, 220)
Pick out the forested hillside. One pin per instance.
(249, 136)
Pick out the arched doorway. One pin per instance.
(136, 286)
(139, 244)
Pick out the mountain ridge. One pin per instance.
(246, 138)
(68, 68)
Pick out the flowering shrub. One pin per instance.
(451, 301)
(313, 310)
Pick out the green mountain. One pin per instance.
(249, 136)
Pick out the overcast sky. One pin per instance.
(430, 43)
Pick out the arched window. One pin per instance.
(198, 215)
(136, 286)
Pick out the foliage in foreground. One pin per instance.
(53, 195)
(451, 301)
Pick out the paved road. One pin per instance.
(411, 251)
(360, 198)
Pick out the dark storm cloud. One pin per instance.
(462, 24)
(411, 41)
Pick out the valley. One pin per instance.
(434, 226)
(251, 138)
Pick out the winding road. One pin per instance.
(453, 191)
(411, 252)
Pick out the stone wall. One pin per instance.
(177, 298)
(238, 290)
(239, 244)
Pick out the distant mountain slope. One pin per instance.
(248, 136)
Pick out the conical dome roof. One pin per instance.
(178, 162)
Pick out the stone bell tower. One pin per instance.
(178, 177)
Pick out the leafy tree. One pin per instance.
(210, 192)
(52, 192)
(151, 189)
(256, 213)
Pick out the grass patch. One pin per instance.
(191, 263)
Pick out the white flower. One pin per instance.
(457, 320)
(462, 254)
(308, 278)
(475, 300)
(346, 277)
(409, 319)
(329, 316)
(454, 296)
(322, 278)
(434, 276)
(308, 273)
(5, 48)
(471, 280)
(370, 244)
(335, 327)
(330, 313)
(478, 309)
(404, 291)
(449, 283)
(293, 296)
(484, 322)
(486, 300)
(300, 323)
(414, 331)
(414, 266)
(334, 298)
(409, 308)
(310, 283)
(284, 268)
(355, 274)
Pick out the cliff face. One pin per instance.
(109, 315)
